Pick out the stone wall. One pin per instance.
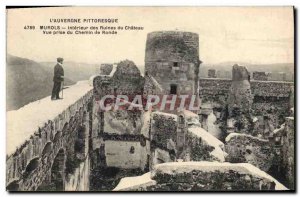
(271, 102)
(242, 148)
(30, 166)
(240, 92)
(239, 102)
(126, 80)
(125, 154)
(271, 88)
(122, 122)
(202, 146)
(180, 137)
(260, 76)
(118, 140)
(80, 180)
(172, 58)
(163, 138)
(105, 69)
(214, 89)
(172, 46)
(204, 176)
(210, 88)
(288, 152)
(274, 155)
(211, 120)
(211, 73)
(163, 129)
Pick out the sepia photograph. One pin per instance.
(148, 99)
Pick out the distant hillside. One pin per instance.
(27, 81)
(74, 70)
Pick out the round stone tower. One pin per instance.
(172, 59)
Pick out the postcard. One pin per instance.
(150, 99)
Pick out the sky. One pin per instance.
(242, 34)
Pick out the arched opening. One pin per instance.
(181, 119)
(57, 136)
(65, 128)
(13, 186)
(77, 115)
(132, 149)
(55, 180)
(71, 120)
(32, 165)
(47, 149)
(81, 114)
(80, 143)
(76, 145)
(173, 89)
(58, 171)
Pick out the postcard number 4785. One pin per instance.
(29, 27)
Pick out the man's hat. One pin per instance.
(59, 59)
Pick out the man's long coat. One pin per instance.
(58, 73)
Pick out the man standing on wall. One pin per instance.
(57, 79)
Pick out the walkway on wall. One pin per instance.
(22, 123)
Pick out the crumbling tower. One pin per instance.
(212, 73)
(172, 68)
(240, 101)
(172, 60)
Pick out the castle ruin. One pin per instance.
(241, 133)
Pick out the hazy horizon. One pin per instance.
(98, 63)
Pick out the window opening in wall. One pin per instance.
(131, 150)
(173, 89)
(181, 119)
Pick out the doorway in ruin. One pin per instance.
(13, 186)
(80, 143)
(173, 89)
(55, 179)
(58, 171)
